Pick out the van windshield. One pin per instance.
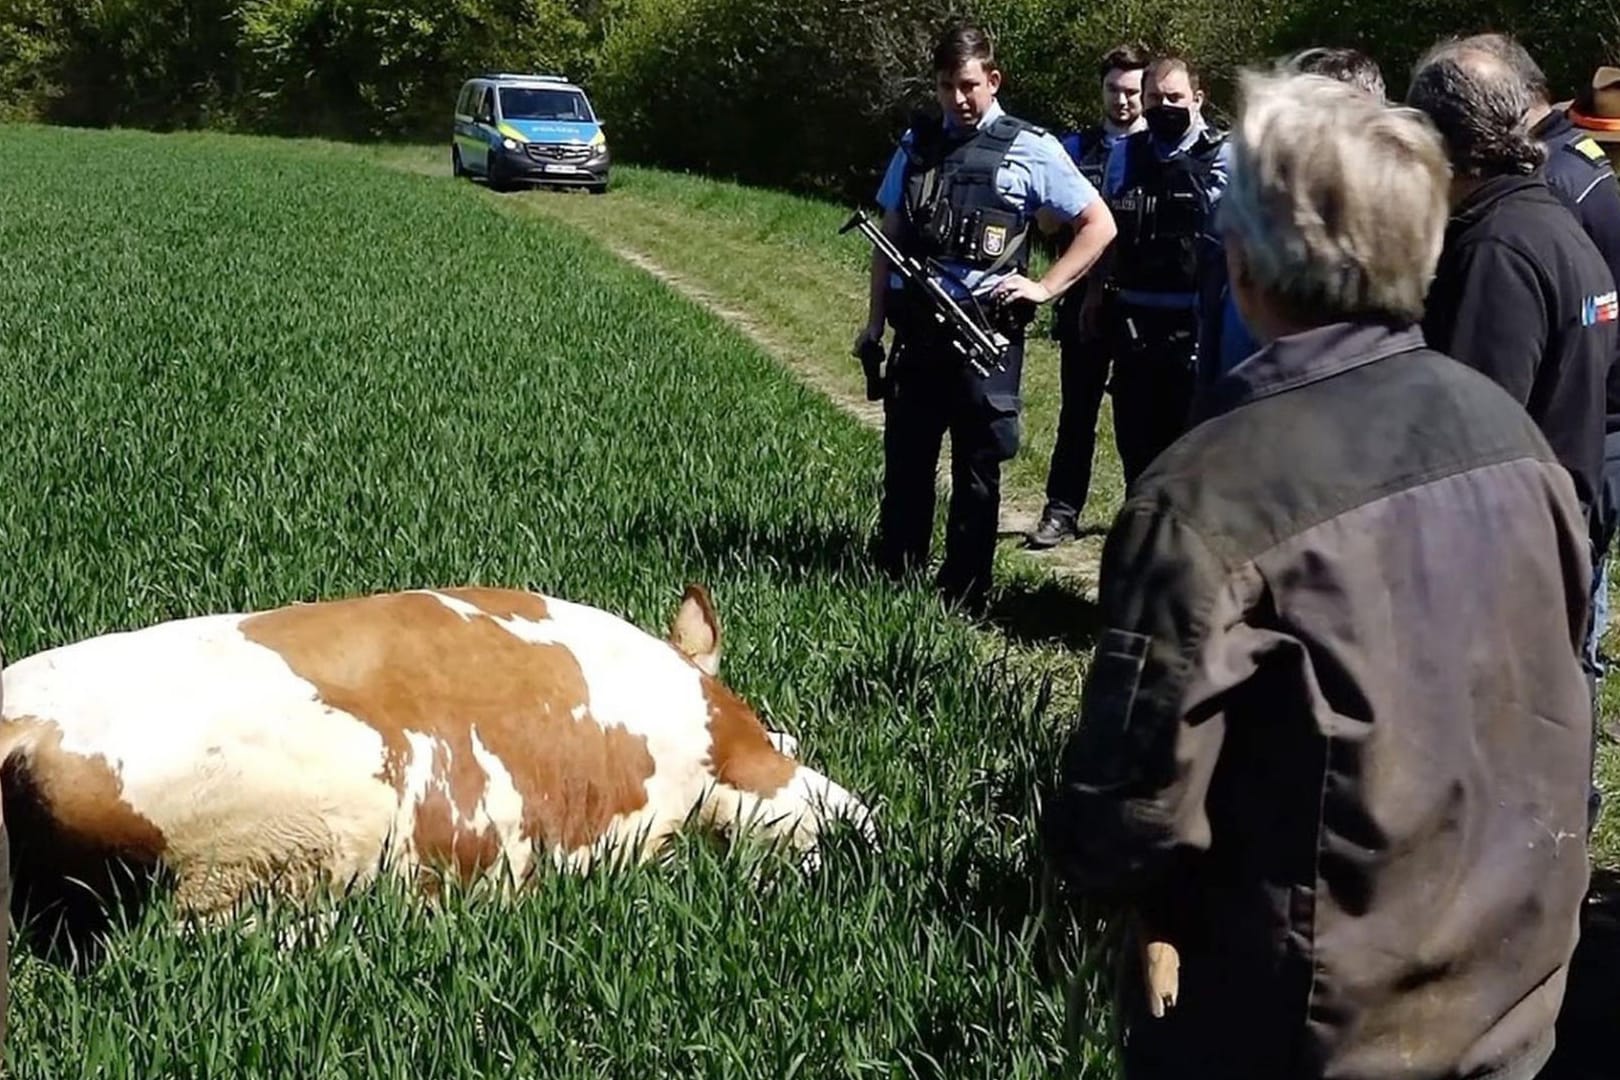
(528, 103)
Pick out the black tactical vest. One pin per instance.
(1093, 163)
(952, 209)
(1161, 211)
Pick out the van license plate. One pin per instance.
(559, 168)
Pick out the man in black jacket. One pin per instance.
(1521, 293)
(1595, 115)
(1335, 735)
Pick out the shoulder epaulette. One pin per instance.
(1588, 148)
(1006, 126)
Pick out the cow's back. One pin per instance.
(450, 728)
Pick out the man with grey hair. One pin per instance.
(1223, 341)
(1333, 738)
(1579, 173)
(1521, 292)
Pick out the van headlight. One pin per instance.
(509, 143)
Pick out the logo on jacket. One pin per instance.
(1600, 309)
(995, 240)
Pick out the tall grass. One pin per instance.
(235, 375)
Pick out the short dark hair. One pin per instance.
(1517, 57)
(1479, 104)
(1164, 65)
(1132, 57)
(961, 43)
(1344, 65)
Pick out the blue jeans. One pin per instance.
(1600, 616)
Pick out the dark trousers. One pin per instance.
(933, 391)
(1084, 374)
(1154, 352)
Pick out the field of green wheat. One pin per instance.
(237, 374)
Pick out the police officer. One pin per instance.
(1163, 185)
(1084, 351)
(964, 190)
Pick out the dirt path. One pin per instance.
(1076, 561)
(1018, 516)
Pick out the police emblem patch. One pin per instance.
(1600, 309)
(995, 239)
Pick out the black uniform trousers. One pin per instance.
(932, 391)
(1084, 375)
(1155, 353)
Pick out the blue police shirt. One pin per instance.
(1037, 174)
(1115, 181)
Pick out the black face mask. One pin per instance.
(1169, 123)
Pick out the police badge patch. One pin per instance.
(995, 239)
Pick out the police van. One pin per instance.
(537, 129)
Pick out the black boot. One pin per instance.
(1052, 531)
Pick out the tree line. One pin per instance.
(806, 95)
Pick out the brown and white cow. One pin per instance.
(454, 729)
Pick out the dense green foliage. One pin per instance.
(264, 373)
(804, 94)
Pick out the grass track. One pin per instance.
(261, 372)
(777, 260)
(238, 373)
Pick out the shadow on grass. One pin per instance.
(1050, 613)
(717, 546)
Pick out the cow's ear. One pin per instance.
(695, 630)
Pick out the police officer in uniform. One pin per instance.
(1163, 185)
(964, 191)
(1084, 350)
(1224, 341)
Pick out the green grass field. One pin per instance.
(239, 374)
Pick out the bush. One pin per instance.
(346, 68)
(807, 95)
(811, 94)
(804, 94)
(390, 68)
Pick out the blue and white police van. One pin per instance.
(537, 129)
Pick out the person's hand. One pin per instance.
(868, 333)
(1019, 287)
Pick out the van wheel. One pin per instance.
(493, 179)
(456, 168)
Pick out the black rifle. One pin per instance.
(983, 347)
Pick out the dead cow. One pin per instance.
(426, 731)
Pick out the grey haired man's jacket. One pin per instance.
(1336, 741)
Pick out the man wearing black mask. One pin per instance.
(1162, 185)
